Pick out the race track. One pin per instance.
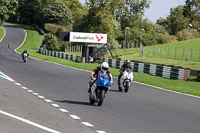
(143, 109)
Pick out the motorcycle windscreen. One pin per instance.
(103, 80)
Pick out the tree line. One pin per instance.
(122, 20)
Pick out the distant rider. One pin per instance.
(25, 51)
(9, 45)
(104, 68)
(126, 65)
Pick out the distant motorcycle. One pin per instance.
(126, 79)
(25, 57)
(9, 45)
(99, 89)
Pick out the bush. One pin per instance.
(182, 35)
(169, 38)
(55, 29)
(51, 43)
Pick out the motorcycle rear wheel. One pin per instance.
(119, 88)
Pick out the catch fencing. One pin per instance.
(179, 53)
(158, 70)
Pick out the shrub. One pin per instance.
(51, 43)
(55, 29)
(182, 35)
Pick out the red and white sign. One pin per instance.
(88, 37)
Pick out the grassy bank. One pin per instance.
(160, 56)
(1, 32)
(34, 40)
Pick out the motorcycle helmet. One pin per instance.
(128, 63)
(104, 66)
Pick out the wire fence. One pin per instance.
(191, 54)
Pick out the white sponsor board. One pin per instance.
(88, 37)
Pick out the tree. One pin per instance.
(176, 20)
(101, 18)
(77, 11)
(181, 16)
(56, 12)
(7, 7)
(28, 10)
(130, 12)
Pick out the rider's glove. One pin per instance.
(110, 83)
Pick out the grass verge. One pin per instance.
(34, 40)
(1, 32)
(161, 54)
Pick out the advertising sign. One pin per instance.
(88, 37)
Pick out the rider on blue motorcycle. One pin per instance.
(104, 68)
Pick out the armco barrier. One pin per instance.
(198, 75)
(158, 70)
(61, 55)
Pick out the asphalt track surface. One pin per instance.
(144, 109)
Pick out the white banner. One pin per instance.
(88, 37)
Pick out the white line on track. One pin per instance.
(47, 100)
(24, 88)
(55, 105)
(36, 94)
(87, 124)
(75, 117)
(42, 97)
(64, 110)
(100, 131)
(29, 122)
(6, 77)
(30, 91)
(17, 83)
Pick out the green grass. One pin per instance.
(161, 54)
(34, 40)
(1, 32)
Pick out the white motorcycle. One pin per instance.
(25, 57)
(125, 80)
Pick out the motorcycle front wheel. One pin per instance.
(100, 97)
(126, 86)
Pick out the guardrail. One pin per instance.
(198, 75)
(61, 55)
(158, 70)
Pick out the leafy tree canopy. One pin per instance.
(7, 7)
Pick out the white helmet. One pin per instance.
(104, 66)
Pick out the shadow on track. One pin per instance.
(115, 91)
(74, 102)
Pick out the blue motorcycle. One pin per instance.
(99, 88)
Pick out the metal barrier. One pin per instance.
(158, 70)
(198, 75)
(61, 55)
